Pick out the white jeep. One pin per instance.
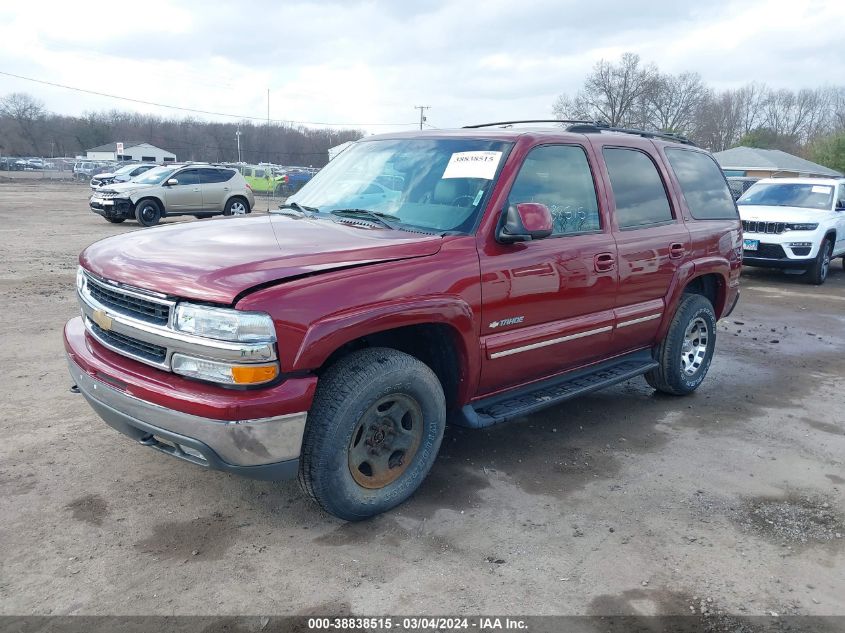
(797, 224)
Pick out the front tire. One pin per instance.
(821, 266)
(684, 355)
(373, 433)
(148, 213)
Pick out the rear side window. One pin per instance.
(559, 177)
(705, 191)
(637, 188)
(211, 176)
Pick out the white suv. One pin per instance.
(794, 224)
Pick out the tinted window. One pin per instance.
(637, 188)
(152, 159)
(705, 191)
(559, 177)
(187, 177)
(211, 176)
(259, 173)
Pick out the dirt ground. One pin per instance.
(731, 500)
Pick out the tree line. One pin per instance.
(809, 122)
(28, 129)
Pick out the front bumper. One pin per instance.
(777, 250)
(257, 447)
(112, 207)
(767, 262)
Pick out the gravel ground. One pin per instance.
(730, 501)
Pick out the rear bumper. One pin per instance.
(256, 447)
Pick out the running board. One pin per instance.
(553, 391)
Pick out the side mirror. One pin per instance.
(171, 181)
(524, 222)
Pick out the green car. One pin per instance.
(261, 179)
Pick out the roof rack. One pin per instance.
(592, 127)
(509, 123)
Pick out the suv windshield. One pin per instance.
(432, 184)
(805, 195)
(155, 176)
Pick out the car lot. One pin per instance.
(732, 499)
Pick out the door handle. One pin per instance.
(604, 262)
(677, 250)
(225, 188)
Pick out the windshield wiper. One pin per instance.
(306, 212)
(375, 216)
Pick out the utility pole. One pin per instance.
(422, 110)
(238, 136)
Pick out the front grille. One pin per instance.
(129, 304)
(772, 228)
(129, 345)
(769, 251)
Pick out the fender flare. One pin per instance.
(687, 272)
(325, 336)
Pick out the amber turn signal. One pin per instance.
(253, 374)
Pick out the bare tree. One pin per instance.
(673, 102)
(27, 112)
(720, 121)
(611, 93)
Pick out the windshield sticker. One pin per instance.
(473, 165)
(821, 189)
(478, 197)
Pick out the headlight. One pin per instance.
(80, 279)
(225, 373)
(805, 226)
(224, 324)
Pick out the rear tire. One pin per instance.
(148, 213)
(684, 355)
(115, 220)
(817, 274)
(372, 434)
(236, 206)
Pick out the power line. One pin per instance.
(193, 110)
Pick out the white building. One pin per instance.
(143, 152)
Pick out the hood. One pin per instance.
(121, 187)
(216, 260)
(104, 176)
(758, 212)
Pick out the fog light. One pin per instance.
(223, 373)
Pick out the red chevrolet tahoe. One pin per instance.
(468, 276)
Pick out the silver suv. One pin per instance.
(198, 190)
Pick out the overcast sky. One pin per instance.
(368, 63)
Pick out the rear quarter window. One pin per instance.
(705, 191)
